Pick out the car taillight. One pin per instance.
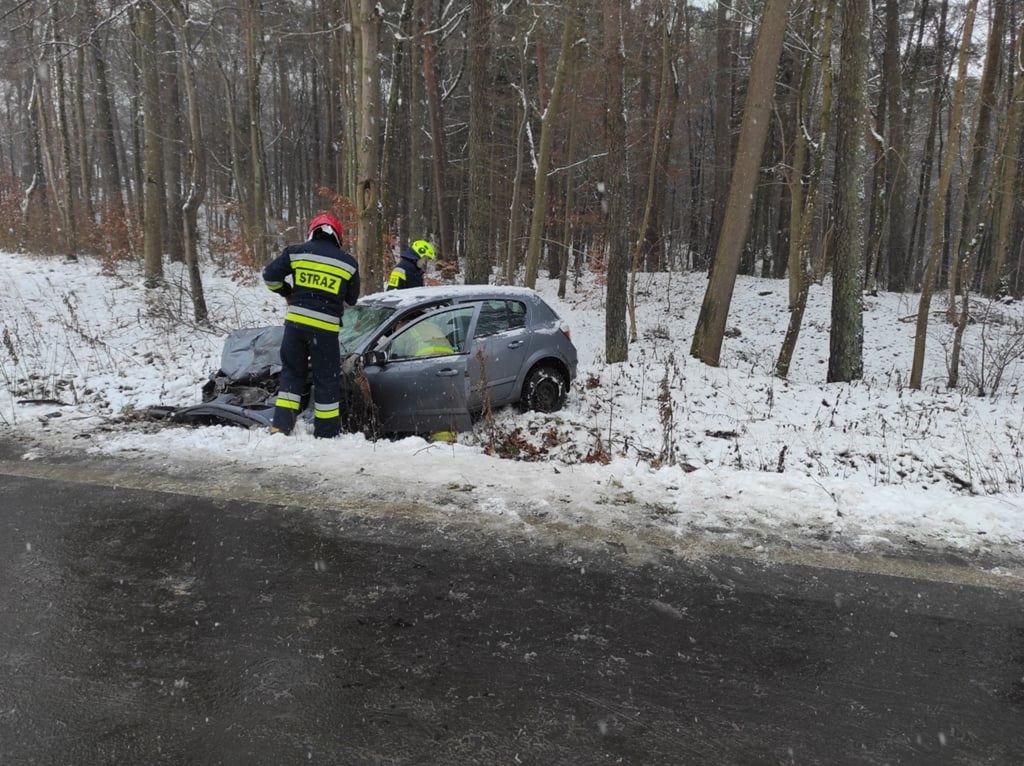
(565, 330)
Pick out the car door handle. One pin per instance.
(516, 343)
(447, 373)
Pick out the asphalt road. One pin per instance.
(141, 627)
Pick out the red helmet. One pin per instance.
(328, 224)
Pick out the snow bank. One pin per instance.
(729, 451)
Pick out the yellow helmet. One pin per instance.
(424, 249)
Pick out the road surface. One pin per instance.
(147, 627)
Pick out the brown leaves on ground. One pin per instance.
(517, 445)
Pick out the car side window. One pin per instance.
(493, 319)
(516, 315)
(404, 320)
(437, 334)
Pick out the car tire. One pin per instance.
(544, 390)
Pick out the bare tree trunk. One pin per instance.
(172, 131)
(898, 260)
(615, 343)
(660, 118)
(340, 57)
(253, 68)
(237, 171)
(36, 187)
(910, 81)
(195, 192)
(514, 219)
(1008, 176)
(136, 109)
(722, 119)
(478, 233)
(806, 216)
(354, 65)
(417, 219)
(877, 207)
(343, 123)
(567, 229)
(901, 275)
(966, 274)
(663, 210)
(153, 202)
(367, 242)
(106, 141)
(542, 67)
(799, 161)
(50, 170)
(968, 265)
(919, 222)
(939, 199)
(437, 138)
(289, 142)
(390, 169)
(84, 166)
(979, 147)
(276, 158)
(707, 338)
(845, 359)
(67, 188)
(547, 130)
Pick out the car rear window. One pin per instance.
(500, 316)
(516, 314)
(544, 313)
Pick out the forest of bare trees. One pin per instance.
(867, 144)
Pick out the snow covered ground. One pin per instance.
(660, 443)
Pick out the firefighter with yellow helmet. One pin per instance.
(412, 263)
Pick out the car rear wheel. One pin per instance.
(544, 390)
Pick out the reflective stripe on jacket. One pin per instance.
(406, 273)
(323, 279)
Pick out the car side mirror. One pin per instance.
(378, 357)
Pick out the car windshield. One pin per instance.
(359, 321)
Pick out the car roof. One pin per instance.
(418, 295)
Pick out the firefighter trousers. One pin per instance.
(300, 348)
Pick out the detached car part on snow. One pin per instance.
(414, 362)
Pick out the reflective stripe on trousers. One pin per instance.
(311, 318)
(325, 411)
(288, 400)
(302, 348)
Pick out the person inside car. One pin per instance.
(425, 338)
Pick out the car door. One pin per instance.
(422, 387)
(501, 343)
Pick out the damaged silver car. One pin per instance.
(415, 361)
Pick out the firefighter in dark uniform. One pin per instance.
(408, 272)
(317, 277)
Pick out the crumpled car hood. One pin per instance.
(252, 353)
(243, 391)
(217, 412)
